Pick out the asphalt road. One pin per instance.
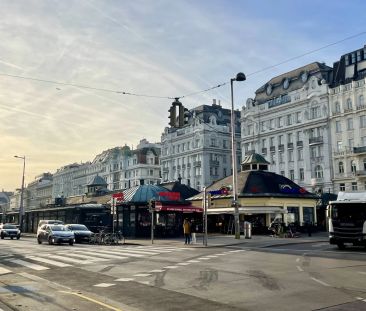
(307, 276)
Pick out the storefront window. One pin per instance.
(295, 211)
(308, 215)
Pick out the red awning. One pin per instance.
(177, 208)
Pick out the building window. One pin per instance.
(282, 173)
(354, 186)
(349, 124)
(337, 107)
(341, 167)
(364, 164)
(301, 174)
(339, 146)
(280, 139)
(314, 112)
(300, 154)
(291, 155)
(292, 174)
(298, 117)
(289, 137)
(342, 187)
(353, 166)
(338, 127)
(363, 121)
(318, 172)
(280, 157)
(361, 100)
(349, 104)
(271, 140)
(350, 143)
(289, 119)
(280, 121)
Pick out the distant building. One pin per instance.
(348, 121)
(38, 192)
(199, 152)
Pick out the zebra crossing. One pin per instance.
(81, 256)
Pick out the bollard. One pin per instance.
(194, 240)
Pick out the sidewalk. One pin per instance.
(217, 240)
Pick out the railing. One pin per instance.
(348, 110)
(281, 147)
(299, 143)
(290, 145)
(359, 107)
(316, 140)
(272, 149)
(361, 173)
(359, 149)
(197, 163)
(264, 150)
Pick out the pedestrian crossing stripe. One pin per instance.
(49, 261)
(4, 271)
(28, 264)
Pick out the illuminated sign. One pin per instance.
(171, 196)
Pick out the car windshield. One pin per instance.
(78, 228)
(58, 228)
(10, 227)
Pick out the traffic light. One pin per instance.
(186, 114)
(151, 205)
(181, 116)
(173, 116)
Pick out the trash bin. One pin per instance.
(247, 230)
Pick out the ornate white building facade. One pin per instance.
(348, 121)
(199, 153)
(288, 123)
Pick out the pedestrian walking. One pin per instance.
(187, 231)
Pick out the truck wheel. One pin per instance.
(341, 246)
(2, 237)
(39, 241)
(50, 241)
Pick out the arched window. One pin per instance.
(341, 167)
(361, 100)
(353, 166)
(318, 171)
(349, 104)
(337, 107)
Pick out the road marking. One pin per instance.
(170, 267)
(298, 259)
(204, 258)
(49, 261)
(183, 263)
(142, 274)
(144, 282)
(361, 272)
(90, 258)
(72, 260)
(142, 252)
(104, 285)
(116, 252)
(159, 250)
(299, 268)
(93, 300)
(27, 264)
(212, 256)
(124, 280)
(320, 282)
(361, 299)
(193, 261)
(4, 271)
(91, 253)
(157, 271)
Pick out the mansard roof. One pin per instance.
(97, 181)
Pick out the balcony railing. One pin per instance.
(361, 173)
(165, 169)
(359, 149)
(214, 163)
(290, 145)
(299, 143)
(315, 140)
(264, 150)
(281, 147)
(272, 149)
(178, 167)
(359, 107)
(188, 165)
(348, 110)
(197, 163)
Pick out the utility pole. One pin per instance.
(205, 216)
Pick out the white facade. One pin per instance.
(348, 121)
(120, 167)
(288, 123)
(200, 152)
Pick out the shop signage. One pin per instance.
(285, 188)
(118, 196)
(222, 191)
(171, 196)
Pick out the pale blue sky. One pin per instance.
(162, 48)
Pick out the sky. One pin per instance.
(65, 64)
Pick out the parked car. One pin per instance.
(55, 234)
(49, 222)
(81, 232)
(9, 230)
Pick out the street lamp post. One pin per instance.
(239, 77)
(21, 207)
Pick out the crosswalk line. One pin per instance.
(28, 264)
(48, 261)
(4, 271)
(143, 252)
(120, 252)
(86, 257)
(164, 248)
(72, 260)
(154, 249)
(102, 255)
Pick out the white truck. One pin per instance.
(347, 219)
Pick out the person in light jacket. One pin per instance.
(187, 231)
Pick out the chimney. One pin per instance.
(214, 102)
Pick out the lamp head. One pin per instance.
(240, 77)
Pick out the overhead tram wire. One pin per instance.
(186, 95)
